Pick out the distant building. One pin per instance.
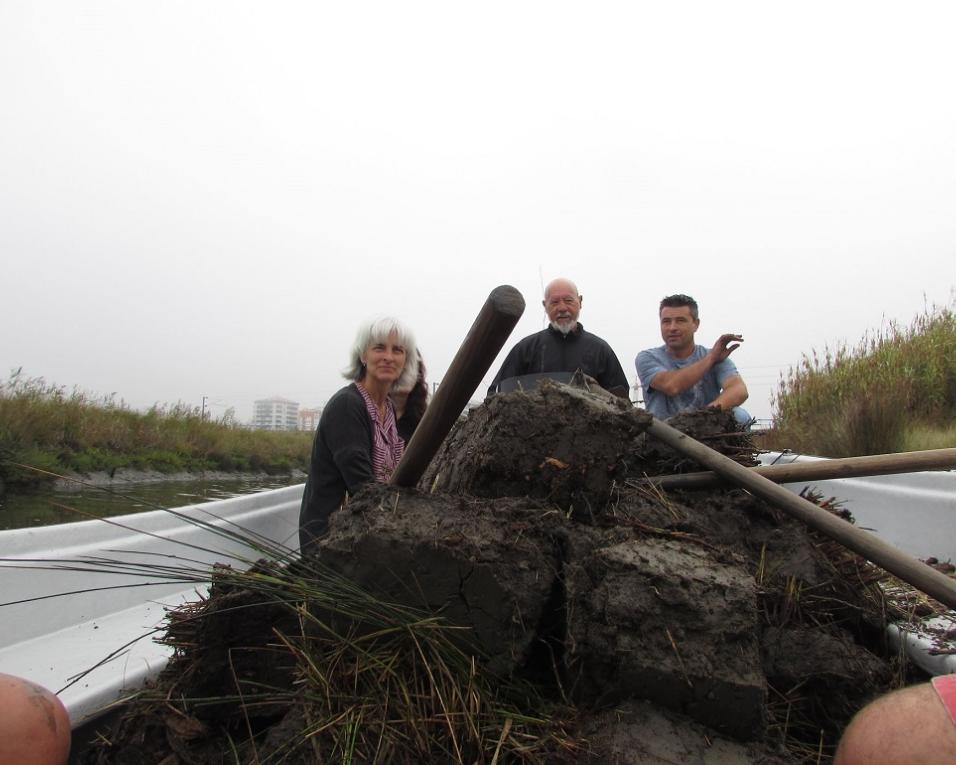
(275, 414)
(309, 419)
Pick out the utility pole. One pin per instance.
(203, 415)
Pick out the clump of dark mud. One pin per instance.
(565, 444)
(583, 615)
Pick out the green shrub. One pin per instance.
(92, 460)
(15, 465)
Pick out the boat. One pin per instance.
(80, 609)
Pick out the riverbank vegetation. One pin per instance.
(894, 391)
(44, 427)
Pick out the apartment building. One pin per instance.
(275, 414)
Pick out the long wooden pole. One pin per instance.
(868, 545)
(487, 335)
(822, 470)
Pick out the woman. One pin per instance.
(410, 404)
(357, 440)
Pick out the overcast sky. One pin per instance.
(207, 198)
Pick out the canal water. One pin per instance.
(44, 507)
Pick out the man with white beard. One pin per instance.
(564, 346)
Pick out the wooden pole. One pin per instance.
(487, 335)
(871, 547)
(822, 470)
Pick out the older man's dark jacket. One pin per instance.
(551, 351)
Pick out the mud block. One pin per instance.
(668, 622)
(638, 733)
(822, 673)
(561, 443)
(488, 565)
(798, 654)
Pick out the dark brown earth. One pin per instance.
(697, 627)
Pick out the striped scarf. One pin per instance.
(387, 445)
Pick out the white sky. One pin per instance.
(207, 198)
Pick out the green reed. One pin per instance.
(47, 426)
(893, 391)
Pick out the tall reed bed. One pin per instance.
(48, 427)
(870, 398)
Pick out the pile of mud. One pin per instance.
(614, 622)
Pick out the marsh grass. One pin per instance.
(930, 437)
(48, 427)
(879, 396)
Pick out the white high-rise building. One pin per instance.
(275, 414)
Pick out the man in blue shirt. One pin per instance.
(681, 375)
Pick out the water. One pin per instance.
(44, 507)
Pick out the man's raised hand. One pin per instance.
(725, 345)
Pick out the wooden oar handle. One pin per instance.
(822, 470)
(487, 335)
(870, 546)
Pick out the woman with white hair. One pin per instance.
(357, 440)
